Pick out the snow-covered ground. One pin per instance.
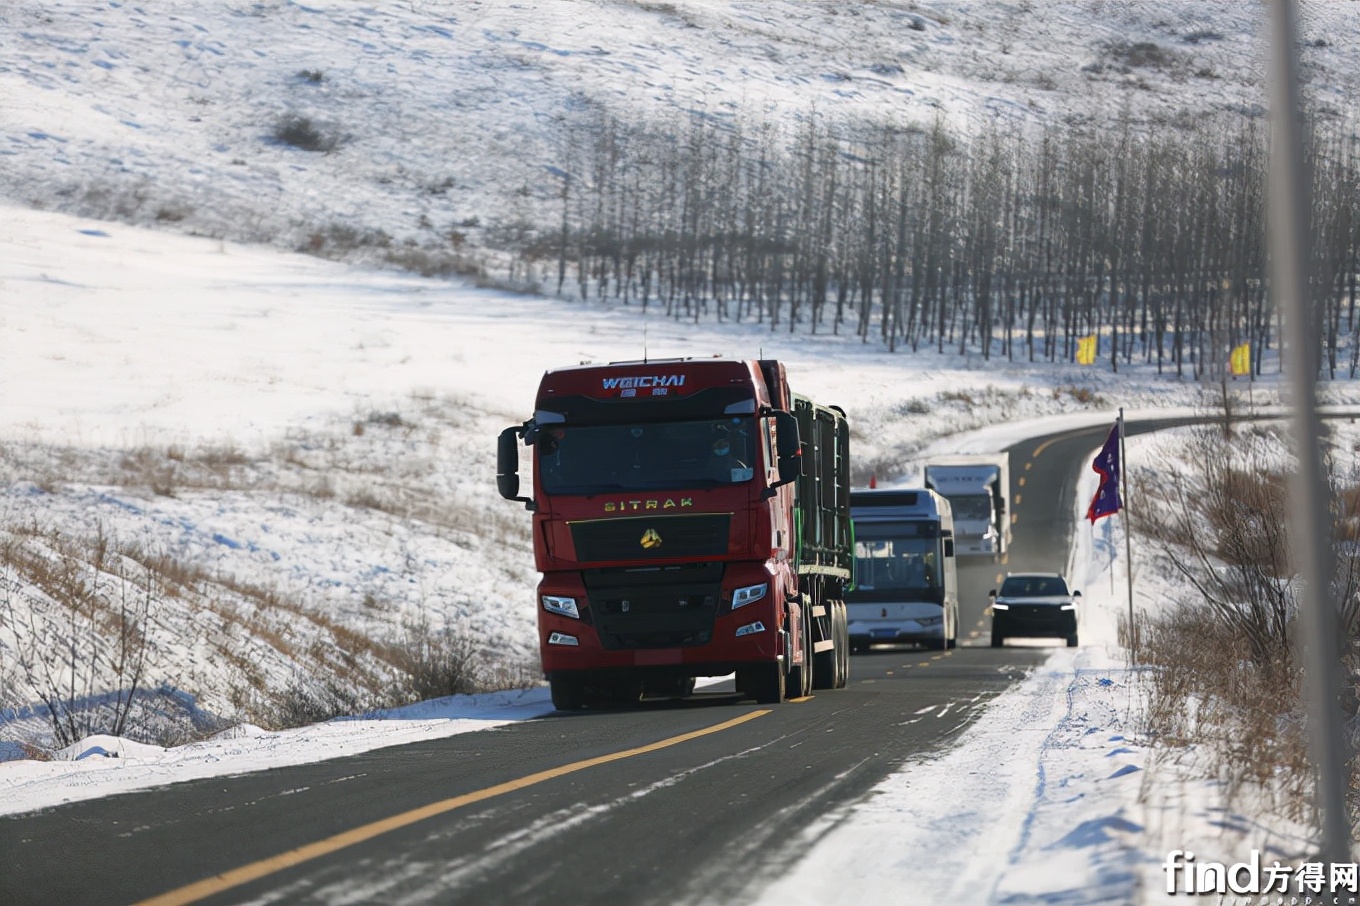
(132, 340)
(317, 440)
(445, 114)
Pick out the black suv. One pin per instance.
(1034, 605)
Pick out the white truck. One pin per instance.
(978, 487)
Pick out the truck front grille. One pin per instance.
(646, 538)
(670, 607)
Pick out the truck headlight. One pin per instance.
(565, 606)
(743, 596)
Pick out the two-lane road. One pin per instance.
(702, 800)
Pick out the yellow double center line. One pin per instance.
(199, 890)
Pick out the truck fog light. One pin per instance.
(565, 606)
(751, 629)
(561, 638)
(743, 596)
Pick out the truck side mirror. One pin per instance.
(507, 466)
(790, 452)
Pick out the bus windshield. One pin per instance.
(896, 557)
(591, 459)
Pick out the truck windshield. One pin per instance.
(972, 507)
(590, 459)
(891, 557)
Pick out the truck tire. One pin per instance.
(799, 683)
(842, 634)
(826, 668)
(763, 682)
(997, 639)
(832, 668)
(568, 694)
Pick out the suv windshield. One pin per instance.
(594, 459)
(1033, 587)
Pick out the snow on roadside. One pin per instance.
(103, 765)
(1034, 803)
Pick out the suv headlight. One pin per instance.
(997, 605)
(565, 606)
(743, 596)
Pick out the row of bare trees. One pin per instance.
(1003, 243)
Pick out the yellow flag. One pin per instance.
(1240, 361)
(1086, 350)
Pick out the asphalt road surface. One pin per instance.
(701, 800)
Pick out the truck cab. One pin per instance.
(977, 487)
(675, 518)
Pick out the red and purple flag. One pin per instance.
(1106, 500)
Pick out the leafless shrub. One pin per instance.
(1140, 55)
(301, 132)
(310, 700)
(1210, 690)
(436, 663)
(339, 239)
(1225, 670)
(1084, 395)
(436, 262)
(83, 633)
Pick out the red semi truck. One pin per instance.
(691, 517)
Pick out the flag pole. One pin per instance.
(1128, 532)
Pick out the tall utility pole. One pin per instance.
(1291, 255)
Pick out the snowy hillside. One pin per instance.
(290, 461)
(438, 126)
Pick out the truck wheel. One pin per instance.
(843, 645)
(567, 693)
(800, 677)
(997, 639)
(809, 677)
(826, 665)
(763, 682)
